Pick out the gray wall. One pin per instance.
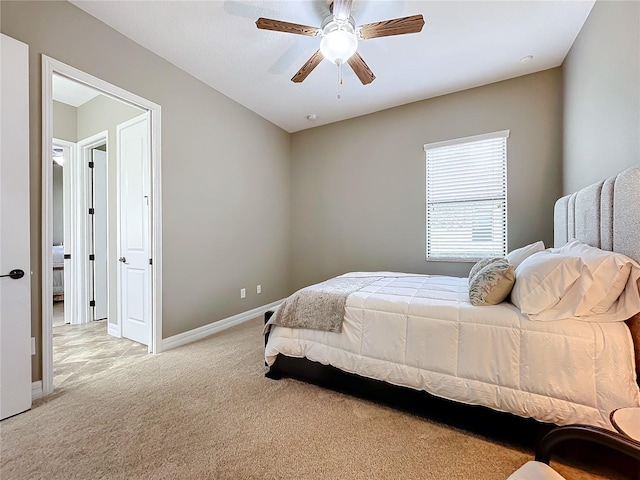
(225, 171)
(602, 95)
(95, 116)
(65, 122)
(358, 186)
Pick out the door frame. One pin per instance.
(49, 67)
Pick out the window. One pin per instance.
(467, 197)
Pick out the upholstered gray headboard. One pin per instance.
(604, 215)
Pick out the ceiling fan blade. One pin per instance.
(342, 9)
(280, 26)
(396, 26)
(308, 67)
(361, 69)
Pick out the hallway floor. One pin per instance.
(80, 351)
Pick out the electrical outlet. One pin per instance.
(243, 292)
(259, 289)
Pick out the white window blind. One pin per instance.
(467, 197)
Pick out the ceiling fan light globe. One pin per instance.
(338, 45)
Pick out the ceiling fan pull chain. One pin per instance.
(339, 79)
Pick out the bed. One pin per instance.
(421, 331)
(58, 272)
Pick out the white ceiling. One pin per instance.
(71, 92)
(463, 44)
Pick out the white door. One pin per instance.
(100, 234)
(15, 294)
(134, 287)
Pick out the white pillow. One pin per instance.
(626, 306)
(517, 256)
(546, 277)
(609, 270)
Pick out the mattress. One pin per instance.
(421, 332)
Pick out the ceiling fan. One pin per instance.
(340, 38)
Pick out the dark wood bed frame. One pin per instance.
(580, 443)
(525, 432)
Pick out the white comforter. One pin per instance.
(422, 332)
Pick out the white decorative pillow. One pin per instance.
(480, 264)
(492, 283)
(546, 277)
(609, 270)
(519, 255)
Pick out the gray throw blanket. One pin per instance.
(319, 306)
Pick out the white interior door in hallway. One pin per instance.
(15, 289)
(99, 234)
(134, 287)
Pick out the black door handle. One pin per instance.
(15, 274)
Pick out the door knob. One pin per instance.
(15, 274)
(123, 260)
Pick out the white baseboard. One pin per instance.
(206, 330)
(113, 330)
(36, 390)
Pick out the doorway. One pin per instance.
(91, 213)
(63, 279)
(96, 239)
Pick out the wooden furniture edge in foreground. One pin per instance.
(587, 433)
(626, 420)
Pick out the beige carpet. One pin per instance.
(205, 411)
